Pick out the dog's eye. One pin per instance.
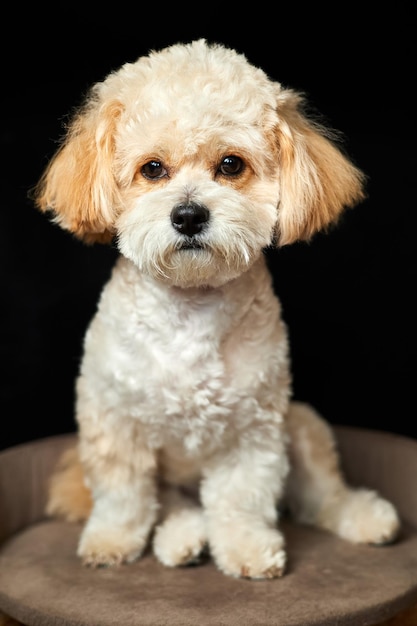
(154, 170)
(231, 166)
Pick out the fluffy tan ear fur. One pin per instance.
(78, 185)
(317, 181)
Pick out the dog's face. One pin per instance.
(194, 161)
(195, 170)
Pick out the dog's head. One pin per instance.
(194, 161)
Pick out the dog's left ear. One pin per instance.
(78, 186)
(317, 181)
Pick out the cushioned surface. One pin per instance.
(328, 581)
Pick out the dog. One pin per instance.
(194, 162)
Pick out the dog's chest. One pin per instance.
(186, 396)
(157, 355)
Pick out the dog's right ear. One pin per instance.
(78, 186)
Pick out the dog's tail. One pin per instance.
(68, 496)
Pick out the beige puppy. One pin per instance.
(193, 161)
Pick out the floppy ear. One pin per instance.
(78, 185)
(317, 181)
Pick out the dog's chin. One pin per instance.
(193, 266)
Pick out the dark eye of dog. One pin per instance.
(154, 170)
(231, 166)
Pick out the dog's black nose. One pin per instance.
(189, 219)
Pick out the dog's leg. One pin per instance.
(121, 476)
(181, 537)
(239, 493)
(317, 493)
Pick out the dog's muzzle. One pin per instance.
(189, 220)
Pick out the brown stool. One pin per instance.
(328, 581)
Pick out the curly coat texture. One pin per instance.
(193, 161)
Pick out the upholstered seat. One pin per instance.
(328, 582)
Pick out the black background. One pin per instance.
(348, 296)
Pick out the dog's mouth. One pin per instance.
(190, 243)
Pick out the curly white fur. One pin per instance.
(194, 162)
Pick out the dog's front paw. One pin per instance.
(181, 539)
(103, 547)
(249, 553)
(365, 517)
